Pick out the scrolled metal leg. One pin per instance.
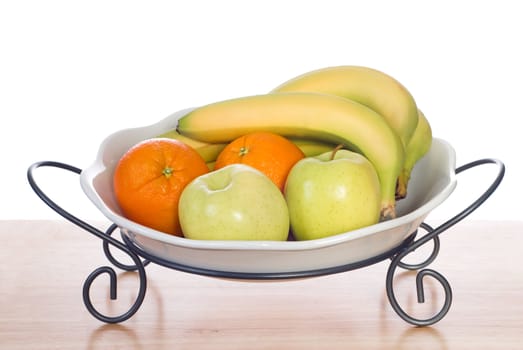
(433, 234)
(396, 262)
(139, 265)
(110, 256)
(420, 276)
(432, 256)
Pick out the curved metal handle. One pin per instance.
(477, 203)
(64, 213)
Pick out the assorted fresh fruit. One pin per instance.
(327, 152)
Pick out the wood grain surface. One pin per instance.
(45, 263)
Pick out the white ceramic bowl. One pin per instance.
(433, 180)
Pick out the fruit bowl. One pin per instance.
(433, 180)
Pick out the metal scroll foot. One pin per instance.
(433, 234)
(113, 294)
(138, 266)
(420, 276)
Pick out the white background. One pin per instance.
(72, 72)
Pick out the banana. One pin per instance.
(321, 117)
(208, 151)
(312, 148)
(418, 146)
(368, 86)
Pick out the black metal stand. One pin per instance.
(396, 255)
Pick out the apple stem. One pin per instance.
(336, 149)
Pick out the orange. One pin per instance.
(272, 154)
(149, 178)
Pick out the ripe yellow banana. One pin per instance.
(311, 147)
(368, 86)
(322, 117)
(418, 146)
(208, 151)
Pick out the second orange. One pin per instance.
(270, 153)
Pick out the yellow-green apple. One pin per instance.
(332, 193)
(236, 202)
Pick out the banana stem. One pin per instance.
(388, 212)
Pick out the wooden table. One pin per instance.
(45, 263)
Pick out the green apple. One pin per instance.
(335, 192)
(236, 202)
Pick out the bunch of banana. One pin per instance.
(365, 85)
(380, 92)
(361, 108)
(306, 115)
